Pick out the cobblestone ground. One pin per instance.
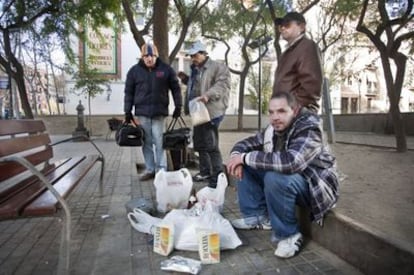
(104, 244)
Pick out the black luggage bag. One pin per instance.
(175, 142)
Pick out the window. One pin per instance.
(354, 105)
(344, 105)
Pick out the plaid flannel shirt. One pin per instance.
(303, 152)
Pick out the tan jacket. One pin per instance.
(215, 83)
(300, 72)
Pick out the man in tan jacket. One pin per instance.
(209, 83)
(299, 69)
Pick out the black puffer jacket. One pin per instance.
(147, 90)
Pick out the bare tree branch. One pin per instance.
(137, 34)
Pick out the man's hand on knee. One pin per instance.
(235, 166)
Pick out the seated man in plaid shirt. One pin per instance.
(280, 167)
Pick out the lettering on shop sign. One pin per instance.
(100, 51)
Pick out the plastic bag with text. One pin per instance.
(188, 223)
(173, 189)
(214, 195)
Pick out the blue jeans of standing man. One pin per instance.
(154, 128)
(268, 194)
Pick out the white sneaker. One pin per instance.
(290, 246)
(241, 224)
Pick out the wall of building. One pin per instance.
(98, 126)
(376, 123)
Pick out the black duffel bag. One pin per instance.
(176, 138)
(129, 135)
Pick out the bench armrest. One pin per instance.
(77, 137)
(24, 162)
(63, 264)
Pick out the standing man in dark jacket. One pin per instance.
(146, 89)
(299, 69)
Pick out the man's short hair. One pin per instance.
(290, 98)
(289, 17)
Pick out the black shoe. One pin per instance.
(212, 182)
(147, 176)
(212, 185)
(198, 177)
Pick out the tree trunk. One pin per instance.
(17, 74)
(180, 42)
(54, 82)
(399, 129)
(160, 32)
(243, 77)
(18, 77)
(394, 96)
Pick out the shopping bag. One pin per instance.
(176, 138)
(173, 189)
(198, 112)
(129, 135)
(215, 196)
(188, 224)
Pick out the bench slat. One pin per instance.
(14, 206)
(10, 169)
(23, 143)
(12, 127)
(15, 188)
(47, 204)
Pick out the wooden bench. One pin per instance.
(31, 185)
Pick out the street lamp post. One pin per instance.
(258, 43)
(11, 96)
(108, 92)
(359, 95)
(259, 109)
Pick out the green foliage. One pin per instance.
(348, 6)
(57, 19)
(51, 22)
(232, 19)
(89, 81)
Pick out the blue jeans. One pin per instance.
(269, 194)
(155, 158)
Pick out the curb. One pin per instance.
(365, 248)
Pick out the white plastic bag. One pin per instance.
(187, 225)
(188, 222)
(198, 112)
(173, 189)
(214, 195)
(143, 222)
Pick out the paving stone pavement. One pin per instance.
(103, 242)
